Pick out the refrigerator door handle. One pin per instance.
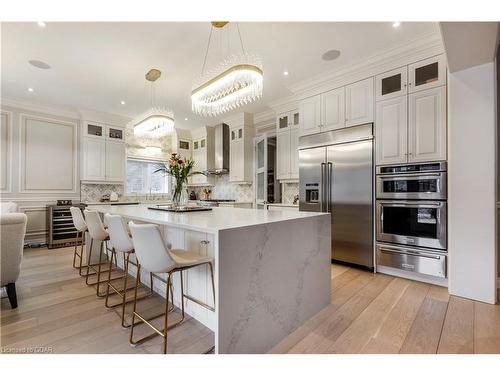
(323, 187)
(329, 187)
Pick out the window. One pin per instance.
(142, 180)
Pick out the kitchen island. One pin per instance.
(272, 269)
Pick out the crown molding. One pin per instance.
(417, 49)
(40, 108)
(105, 117)
(264, 116)
(66, 112)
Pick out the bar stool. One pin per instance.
(97, 232)
(81, 227)
(121, 243)
(153, 255)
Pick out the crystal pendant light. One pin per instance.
(156, 122)
(236, 81)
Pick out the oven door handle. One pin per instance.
(405, 176)
(408, 252)
(414, 205)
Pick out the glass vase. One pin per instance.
(179, 193)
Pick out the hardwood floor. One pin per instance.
(58, 311)
(375, 313)
(369, 313)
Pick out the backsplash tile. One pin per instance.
(91, 193)
(289, 191)
(223, 189)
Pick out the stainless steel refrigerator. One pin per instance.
(336, 176)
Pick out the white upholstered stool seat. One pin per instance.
(154, 255)
(121, 244)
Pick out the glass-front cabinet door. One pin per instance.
(392, 84)
(283, 122)
(427, 73)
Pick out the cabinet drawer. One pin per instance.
(416, 260)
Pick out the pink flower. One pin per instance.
(180, 161)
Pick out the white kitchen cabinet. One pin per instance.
(359, 102)
(333, 109)
(287, 143)
(103, 153)
(287, 120)
(237, 161)
(427, 74)
(294, 154)
(115, 133)
(391, 131)
(94, 159)
(283, 153)
(310, 115)
(427, 125)
(115, 161)
(241, 155)
(391, 84)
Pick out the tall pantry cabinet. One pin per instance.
(411, 113)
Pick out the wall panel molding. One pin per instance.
(7, 157)
(24, 167)
(37, 224)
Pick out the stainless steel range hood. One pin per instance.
(221, 162)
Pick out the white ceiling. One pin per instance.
(97, 65)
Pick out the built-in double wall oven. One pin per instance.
(411, 209)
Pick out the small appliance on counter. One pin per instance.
(113, 197)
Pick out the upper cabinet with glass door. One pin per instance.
(287, 120)
(392, 84)
(427, 74)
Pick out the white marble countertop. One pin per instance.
(219, 218)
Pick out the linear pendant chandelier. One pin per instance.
(157, 122)
(236, 81)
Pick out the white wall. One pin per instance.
(472, 183)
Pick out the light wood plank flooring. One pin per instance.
(369, 314)
(375, 313)
(59, 311)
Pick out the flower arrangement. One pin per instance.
(180, 169)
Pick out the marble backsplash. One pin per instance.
(289, 191)
(223, 189)
(94, 192)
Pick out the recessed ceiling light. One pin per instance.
(30, 89)
(285, 73)
(39, 64)
(185, 118)
(331, 55)
(396, 24)
(122, 102)
(41, 24)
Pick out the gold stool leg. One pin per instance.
(88, 261)
(74, 252)
(109, 278)
(131, 340)
(81, 253)
(165, 329)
